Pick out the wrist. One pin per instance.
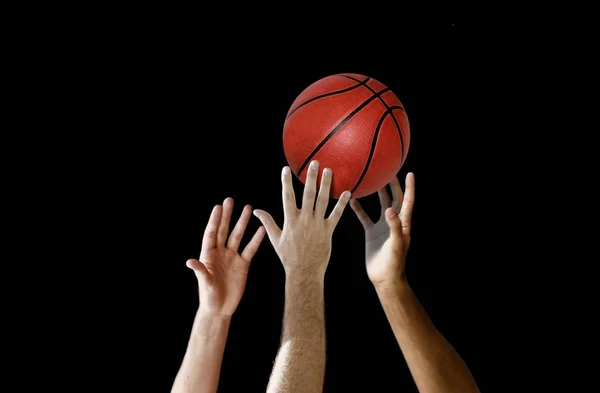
(393, 287)
(210, 328)
(304, 277)
(312, 272)
(213, 315)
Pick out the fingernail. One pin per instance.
(327, 171)
(286, 170)
(390, 213)
(314, 164)
(346, 195)
(255, 213)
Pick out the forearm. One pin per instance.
(434, 364)
(300, 363)
(201, 367)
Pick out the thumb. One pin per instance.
(198, 268)
(272, 229)
(393, 222)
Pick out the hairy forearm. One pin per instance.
(300, 363)
(201, 367)
(434, 364)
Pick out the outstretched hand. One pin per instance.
(387, 240)
(304, 243)
(222, 271)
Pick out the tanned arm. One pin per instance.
(434, 364)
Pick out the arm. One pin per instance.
(300, 362)
(304, 248)
(434, 364)
(201, 364)
(221, 274)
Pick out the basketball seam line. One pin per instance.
(398, 128)
(364, 83)
(329, 94)
(373, 144)
(337, 128)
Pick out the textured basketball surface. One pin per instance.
(352, 124)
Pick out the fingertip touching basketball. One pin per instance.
(350, 123)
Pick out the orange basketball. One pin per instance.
(352, 124)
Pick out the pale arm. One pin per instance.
(201, 366)
(221, 273)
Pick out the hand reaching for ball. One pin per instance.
(222, 271)
(387, 240)
(304, 243)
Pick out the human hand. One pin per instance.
(304, 244)
(387, 241)
(221, 270)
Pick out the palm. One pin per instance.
(221, 270)
(228, 272)
(375, 238)
(377, 241)
(385, 255)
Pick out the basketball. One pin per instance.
(350, 123)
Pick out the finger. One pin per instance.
(336, 214)
(310, 189)
(253, 245)
(210, 233)
(393, 222)
(396, 194)
(224, 224)
(323, 198)
(272, 229)
(288, 196)
(200, 270)
(240, 227)
(361, 214)
(384, 199)
(408, 203)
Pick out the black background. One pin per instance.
(181, 126)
